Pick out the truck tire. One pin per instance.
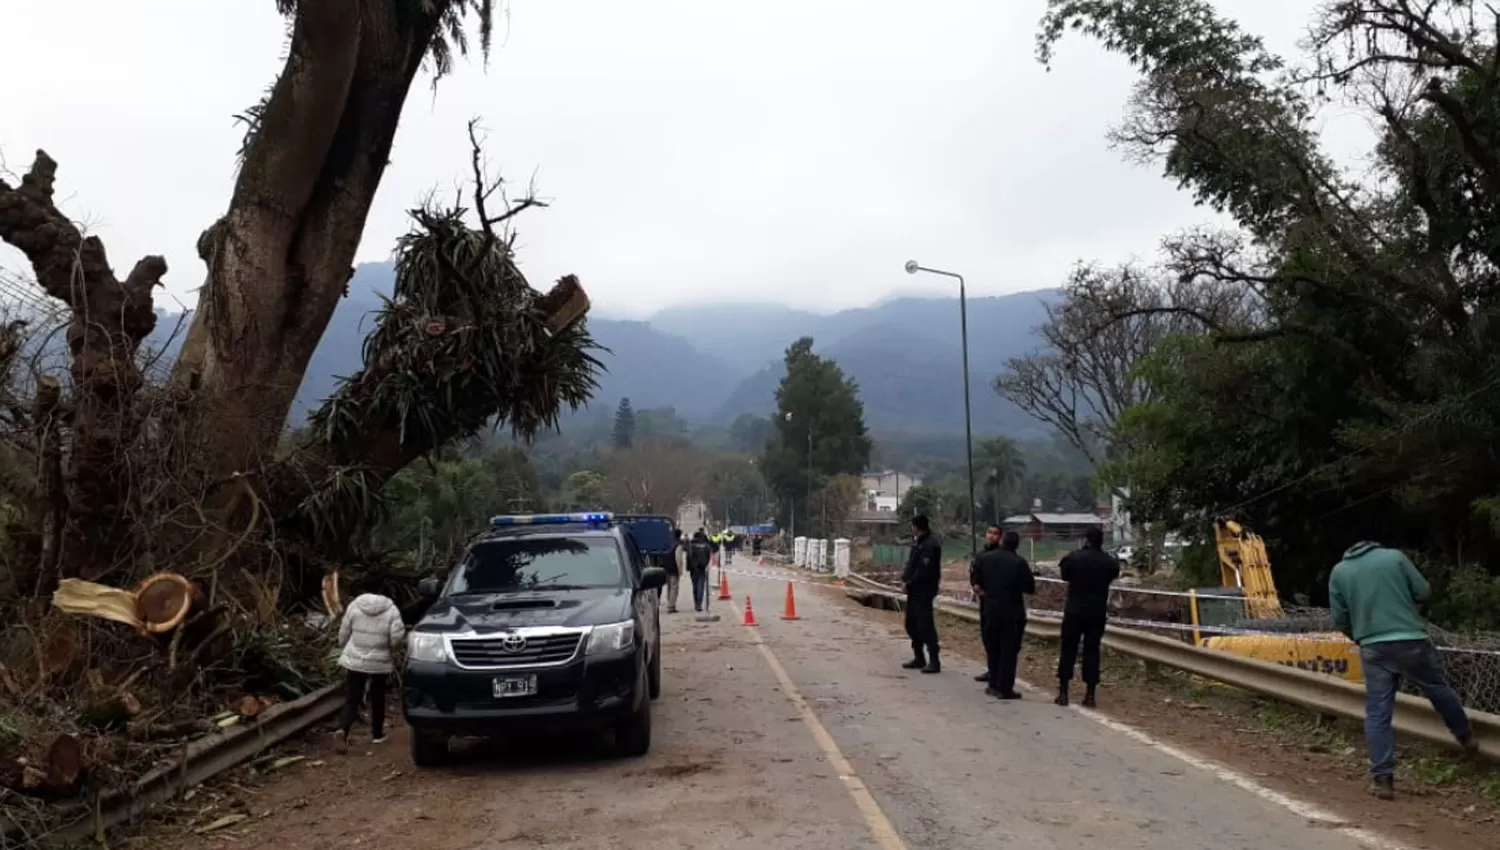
(653, 675)
(633, 734)
(428, 749)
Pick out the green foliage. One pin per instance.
(750, 433)
(922, 499)
(820, 431)
(660, 423)
(999, 468)
(623, 434)
(433, 510)
(464, 343)
(585, 490)
(1360, 400)
(733, 487)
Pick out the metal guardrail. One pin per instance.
(1315, 692)
(199, 761)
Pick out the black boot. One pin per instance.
(1088, 697)
(1062, 694)
(982, 677)
(917, 662)
(933, 665)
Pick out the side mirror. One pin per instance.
(429, 588)
(653, 577)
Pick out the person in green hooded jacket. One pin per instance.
(1375, 593)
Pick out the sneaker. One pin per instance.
(1470, 746)
(1383, 787)
(380, 739)
(914, 664)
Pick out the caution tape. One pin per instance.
(774, 574)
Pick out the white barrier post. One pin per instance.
(841, 557)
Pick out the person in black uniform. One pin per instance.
(1089, 572)
(991, 542)
(1004, 580)
(921, 579)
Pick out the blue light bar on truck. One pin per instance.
(594, 517)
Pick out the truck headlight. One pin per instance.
(423, 646)
(614, 637)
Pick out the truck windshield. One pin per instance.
(505, 566)
(653, 535)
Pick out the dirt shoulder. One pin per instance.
(1442, 804)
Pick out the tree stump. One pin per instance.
(64, 765)
(164, 600)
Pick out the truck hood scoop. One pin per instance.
(528, 604)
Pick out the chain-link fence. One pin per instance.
(1472, 660)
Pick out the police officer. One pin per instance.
(991, 541)
(1004, 580)
(1089, 572)
(922, 578)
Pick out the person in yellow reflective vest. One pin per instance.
(730, 545)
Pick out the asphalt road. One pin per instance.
(802, 735)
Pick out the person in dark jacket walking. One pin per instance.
(700, 553)
(1089, 572)
(1004, 580)
(991, 542)
(921, 579)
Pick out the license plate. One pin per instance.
(515, 686)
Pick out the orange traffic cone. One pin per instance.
(750, 613)
(723, 586)
(791, 604)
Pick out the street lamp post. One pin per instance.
(912, 267)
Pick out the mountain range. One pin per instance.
(713, 364)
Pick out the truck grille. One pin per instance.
(539, 650)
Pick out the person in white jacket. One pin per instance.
(369, 634)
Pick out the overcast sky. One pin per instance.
(793, 151)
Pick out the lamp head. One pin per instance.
(912, 267)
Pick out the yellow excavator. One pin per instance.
(1247, 600)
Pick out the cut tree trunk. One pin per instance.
(65, 766)
(333, 603)
(164, 600)
(110, 318)
(89, 599)
(110, 712)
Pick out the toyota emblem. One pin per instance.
(513, 643)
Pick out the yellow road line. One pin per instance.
(880, 826)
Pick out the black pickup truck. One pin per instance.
(653, 534)
(547, 621)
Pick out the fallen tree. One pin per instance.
(179, 512)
